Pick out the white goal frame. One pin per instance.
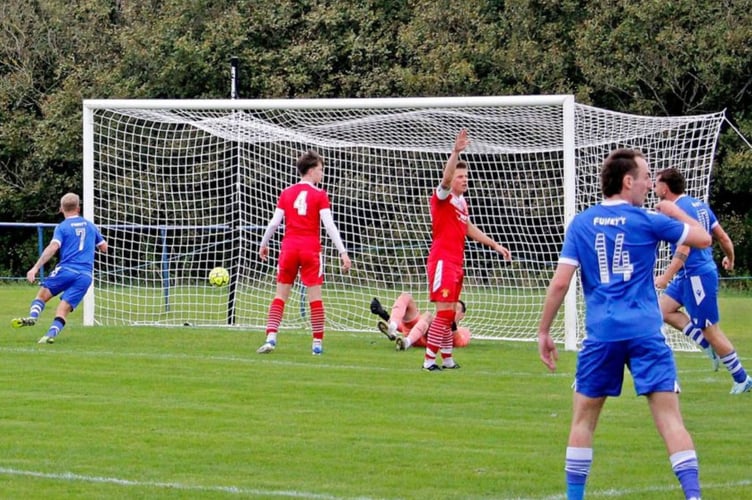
(570, 146)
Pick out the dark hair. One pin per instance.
(308, 160)
(461, 164)
(673, 179)
(464, 310)
(619, 163)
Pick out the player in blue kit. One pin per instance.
(695, 282)
(614, 243)
(76, 238)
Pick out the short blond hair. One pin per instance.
(70, 202)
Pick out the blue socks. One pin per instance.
(734, 366)
(686, 468)
(577, 468)
(695, 334)
(37, 306)
(57, 324)
(579, 461)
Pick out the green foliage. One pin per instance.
(671, 58)
(730, 194)
(652, 57)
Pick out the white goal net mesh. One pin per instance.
(180, 190)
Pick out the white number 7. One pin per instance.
(81, 238)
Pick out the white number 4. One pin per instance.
(300, 203)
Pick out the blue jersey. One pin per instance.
(615, 245)
(700, 260)
(78, 239)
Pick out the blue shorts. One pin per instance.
(699, 296)
(600, 366)
(72, 284)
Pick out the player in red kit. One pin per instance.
(303, 207)
(450, 223)
(407, 326)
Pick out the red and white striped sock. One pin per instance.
(447, 345)
(317, 319)
(439, 326)
(276, 310)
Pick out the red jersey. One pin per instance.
(449, 219)
(302, 203)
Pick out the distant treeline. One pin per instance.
(654, 58)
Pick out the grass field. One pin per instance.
(168, 413)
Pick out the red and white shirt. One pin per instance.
(449, 218)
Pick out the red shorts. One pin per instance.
(406, 326)
(444, 281)
(310, 265)
(421, 342)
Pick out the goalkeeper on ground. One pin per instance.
(406, 319)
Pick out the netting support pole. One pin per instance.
(88, 198)
(570, 193)
(236, 226)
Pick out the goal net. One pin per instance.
(181, 187)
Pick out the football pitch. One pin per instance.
(176, 413)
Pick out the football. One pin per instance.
(219, 276)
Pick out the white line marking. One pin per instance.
(69, 476)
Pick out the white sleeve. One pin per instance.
(331, 229)
(279, 214)
(442, 193)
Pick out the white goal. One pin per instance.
(179, 187)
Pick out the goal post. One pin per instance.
(179, 187)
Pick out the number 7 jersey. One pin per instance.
(78, 238)
(615, 245)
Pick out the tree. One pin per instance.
(650, 57)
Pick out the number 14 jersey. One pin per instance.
(615, 245)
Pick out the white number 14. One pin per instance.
(620, 263)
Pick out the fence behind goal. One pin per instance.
(180, 187)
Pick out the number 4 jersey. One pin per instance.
(615, 245)
(302, 204)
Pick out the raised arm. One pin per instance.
(460, 143)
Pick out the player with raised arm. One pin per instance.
(614, 243)
(450, 224)
(303, 207)
(407, 327)
(695, 282)
(77, 239)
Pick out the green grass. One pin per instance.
(195, 413)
